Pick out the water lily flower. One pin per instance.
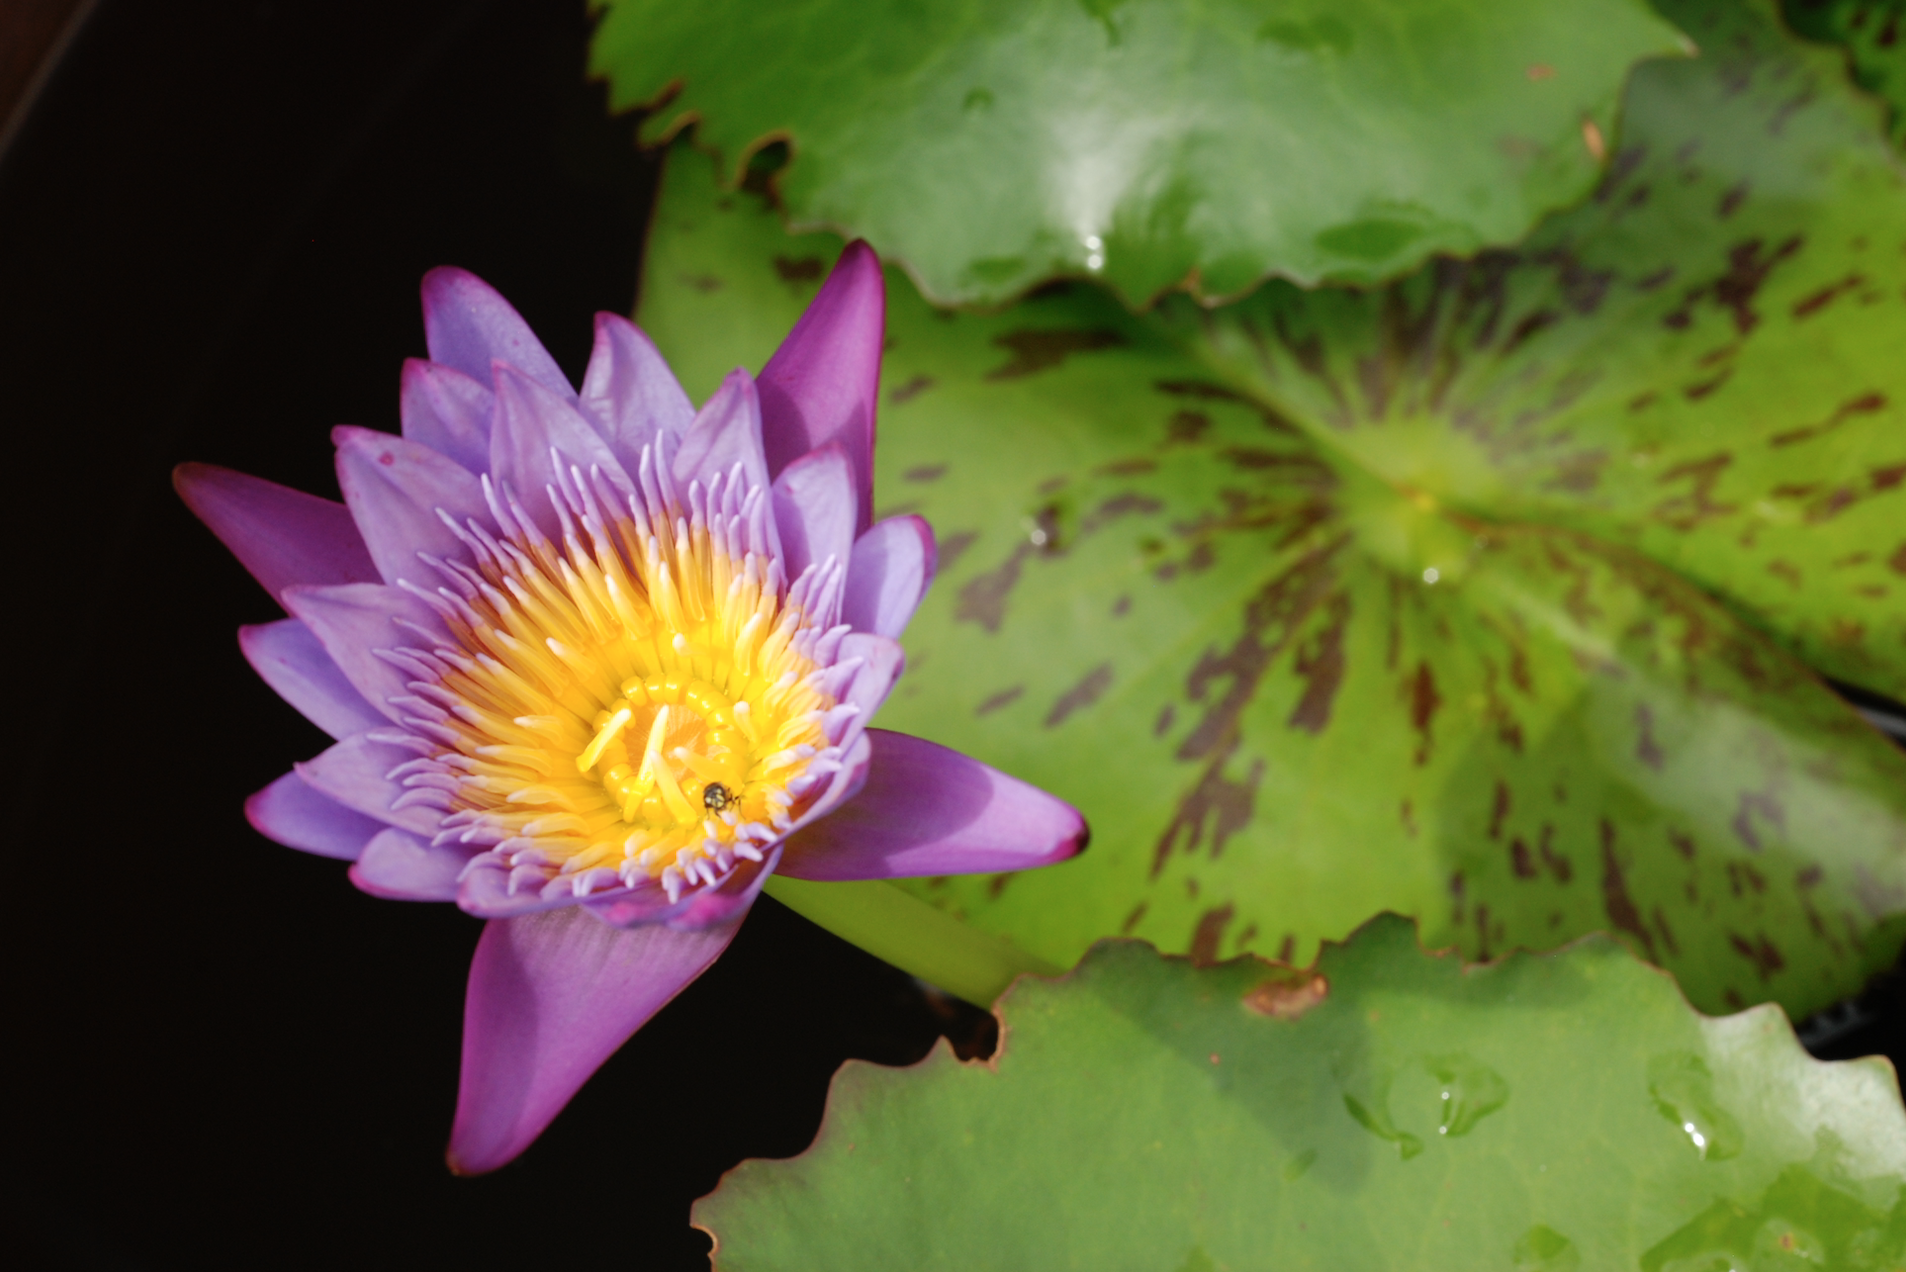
(598, 663)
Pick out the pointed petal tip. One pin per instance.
(462, 1169)
(467, 323)
(550, 997)
(194, 482)
(442, 276)
(928, 810)
(185, 475)
(1078, 842)
(823, 383)
(282, 536)
(290, 812)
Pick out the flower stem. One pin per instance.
(912, 935)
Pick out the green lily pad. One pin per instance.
(1389, 1109)
(1213, 634)
(1706, 362)
(1874, 35)
(995, 144)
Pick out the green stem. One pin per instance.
(912, 935)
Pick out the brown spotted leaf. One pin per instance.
(1177, 608)
(1706, 362)
(1430, 599)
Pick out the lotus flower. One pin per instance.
(599, 663)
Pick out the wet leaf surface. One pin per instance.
(994, 144)
(1386, 1109)
(1173, 606)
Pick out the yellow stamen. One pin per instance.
(626, 693)
(609, 733)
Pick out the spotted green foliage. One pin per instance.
(1389, 1109)
(1706, 362)
(1176, 608)
(993, 144)
(1874, 35)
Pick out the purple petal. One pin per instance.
(485, 893)
(822, 384)
(888, 575)
(291, 813)
(700, 908)
(551, 997)
(289, 658)
(882, 662)
(927, 810)
(814, 509)
(530, 421)
(447, 411)
(726, 432)
(354, 620)
(467, 326)
(629, 391)
(399, 866)
(353, 774)
(846, 782)
(631, 907)
(283, 536)
(394, 488)
(717, 908)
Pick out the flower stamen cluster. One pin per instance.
(647, 700)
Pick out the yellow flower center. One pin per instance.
(646, 700)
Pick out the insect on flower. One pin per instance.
(598, 663)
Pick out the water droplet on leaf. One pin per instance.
(1683, 1092)
(1543, 1249)
(1378, 1124)
(1471, 1091)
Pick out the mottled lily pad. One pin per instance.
(993, 144)
(1706, 362)
(1388, 1109)
(1176, 608)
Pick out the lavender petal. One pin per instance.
(291, 813)
(446, 410)
(823, 383)
(928, 810)
(394, 488)
(468, 325)
(551, 997)
(287, 656)
(888, 575)
(283, 536)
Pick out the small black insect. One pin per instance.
(716, 797)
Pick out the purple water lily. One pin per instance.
(599, 663)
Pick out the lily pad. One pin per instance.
(1706, 362)
(1387, 1109)
(1177, 609)
(1874, 35)
(994, 144)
